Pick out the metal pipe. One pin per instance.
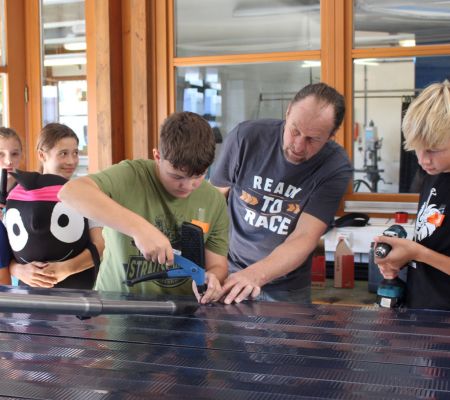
(84, 306)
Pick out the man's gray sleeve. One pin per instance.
(326, 196)
(225, 167)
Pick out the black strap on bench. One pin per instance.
(351, 219)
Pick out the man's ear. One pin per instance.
(288, 110)
(156, 155)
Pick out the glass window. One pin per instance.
(211, 27)
(229, 94)
(383, 89)
(64, 89)
(386, 23)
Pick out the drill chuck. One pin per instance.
(383, 249)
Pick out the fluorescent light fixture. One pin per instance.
(261, 8)
(428, 11)
(374, 38)
(64, 59)
(388, 207)
(63, 24)
(407, 43)
(366, 61)
(311, 63)
(75, 46)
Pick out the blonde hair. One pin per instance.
(426, 124)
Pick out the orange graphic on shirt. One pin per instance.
(293, 208)
(436, 219)
(248, 198)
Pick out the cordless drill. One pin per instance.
(391, 292)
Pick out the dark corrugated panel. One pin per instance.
(247, 351)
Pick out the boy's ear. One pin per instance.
(156, 155)
(41, 156)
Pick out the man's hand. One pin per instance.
(283, 259)
(154, 245)
(239, 286)
(33, 274)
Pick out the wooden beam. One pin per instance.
(327, 53)
(105, 84)
(33, 120)
(136, 78)
(16, 68)
(162, 62)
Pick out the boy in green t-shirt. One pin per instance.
(142, 204)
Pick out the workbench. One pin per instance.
(359, 295)
(253, 350)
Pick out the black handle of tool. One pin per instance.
(3, 186)
(192, 243)
(151, 276)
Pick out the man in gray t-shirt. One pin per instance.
(284, 181)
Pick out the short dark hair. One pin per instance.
(52, 133)
(323, 92)
(187, 141)
(9, 133)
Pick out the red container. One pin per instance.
(401, 217)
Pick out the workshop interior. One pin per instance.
(113, 70)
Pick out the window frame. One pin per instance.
(336, 55)
(159, 96)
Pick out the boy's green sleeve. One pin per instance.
(217, 241)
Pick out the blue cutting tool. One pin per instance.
(188, 263)
(183, 268)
